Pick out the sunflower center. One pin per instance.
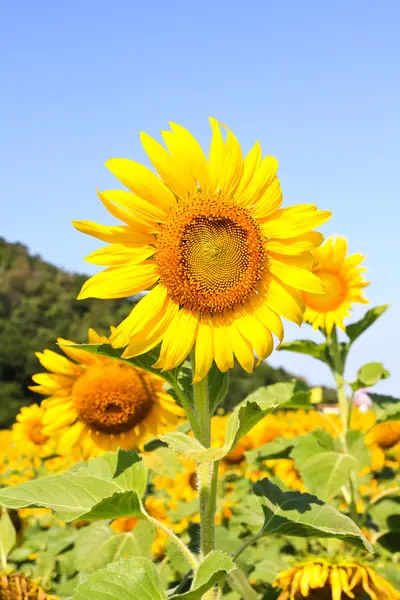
(210, 255)
(113, 398)
(334, 296)
(35, 434)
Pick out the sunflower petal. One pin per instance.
(250, 164)
(294, 221)
(114, 234)
(118, 254)
(120, 281)
(217, 156)
(263, 177)
(296, 245)
(269, 202)
(232, 169)
(142, 181)
(242, 349)
(196, 159)
(296, 277)
(178, 339)
(284, 301)
(204, 349)
(223, 353)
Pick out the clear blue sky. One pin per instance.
(316, 82)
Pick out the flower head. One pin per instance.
(223, 262)
(324, 580)
(27, 432)
(99, 403)
(344, 284)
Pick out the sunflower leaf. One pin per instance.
(218, 384)
(215, 566)
(93, 491)
(98, 546)
(134, 578)
(8, 536)
(354, 330)
(387, 408)
(322, 468)
(370, 374)
(318, 351)
(304, 515)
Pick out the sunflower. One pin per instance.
(28, 434)
(384, 435)
(323, 580)
(15, 586)
(344, 283)
(99, 403)
(223, 261)
(182, 487)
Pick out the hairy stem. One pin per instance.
(175, 539)
(207, 473)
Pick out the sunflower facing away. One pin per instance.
(321, 580)
(223, 261)
(99, 403)
(344, 283)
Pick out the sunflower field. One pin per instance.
(131, 479)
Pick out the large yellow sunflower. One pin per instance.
(344, 283)
(99, 403)
(223, 261)
(323, 580)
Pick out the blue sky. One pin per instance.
(316, 82)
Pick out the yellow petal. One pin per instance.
(80, 356)
(257, 334)
(96, 338)
(70, 437)
(284, 301)
(232, 169)
(178, 339)
(250, 164)
(195, 156)
(217, 156)
(175, 175)
(58, 364)
(204, 349)
(296, 245)
(52, 381)
(118, 254)
(269, 202)
(296, 277)
(241, 348)
(294, 221)
(152, 331)
(146, 310)
(269, 318)
(223, 353)
(142, 181)
(114, 234)
(262, 178)
(146, 212)
(120, 281)
(335, 584)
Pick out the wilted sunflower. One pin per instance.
(16, 586)
(321, 580)
(28, 434)
(223, 261)
(344, 283)
(99, 403)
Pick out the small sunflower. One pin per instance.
(384, 435)
(322, 580)
(28, 434)
(16, 586)
(182, 487)
(223, 261)
(101, 404)
(344, 284)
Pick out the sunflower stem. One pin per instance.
(175, 539)
(207, 473)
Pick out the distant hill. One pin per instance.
(38, 304)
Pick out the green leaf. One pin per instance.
(86, 492)
(386, 514)
(98, 545)
(354, 330)
(278, 448)
(319, 351)
(8, 537)
(125, 459)
(304, 515)
(134, 578)
(247, 414)
(370, 374)
(387, 408)
(213, 568)
(358, 448)
(322, 469)
(218, 384)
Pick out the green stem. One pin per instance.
(188, 409)
(175, 539)
(207, 474)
